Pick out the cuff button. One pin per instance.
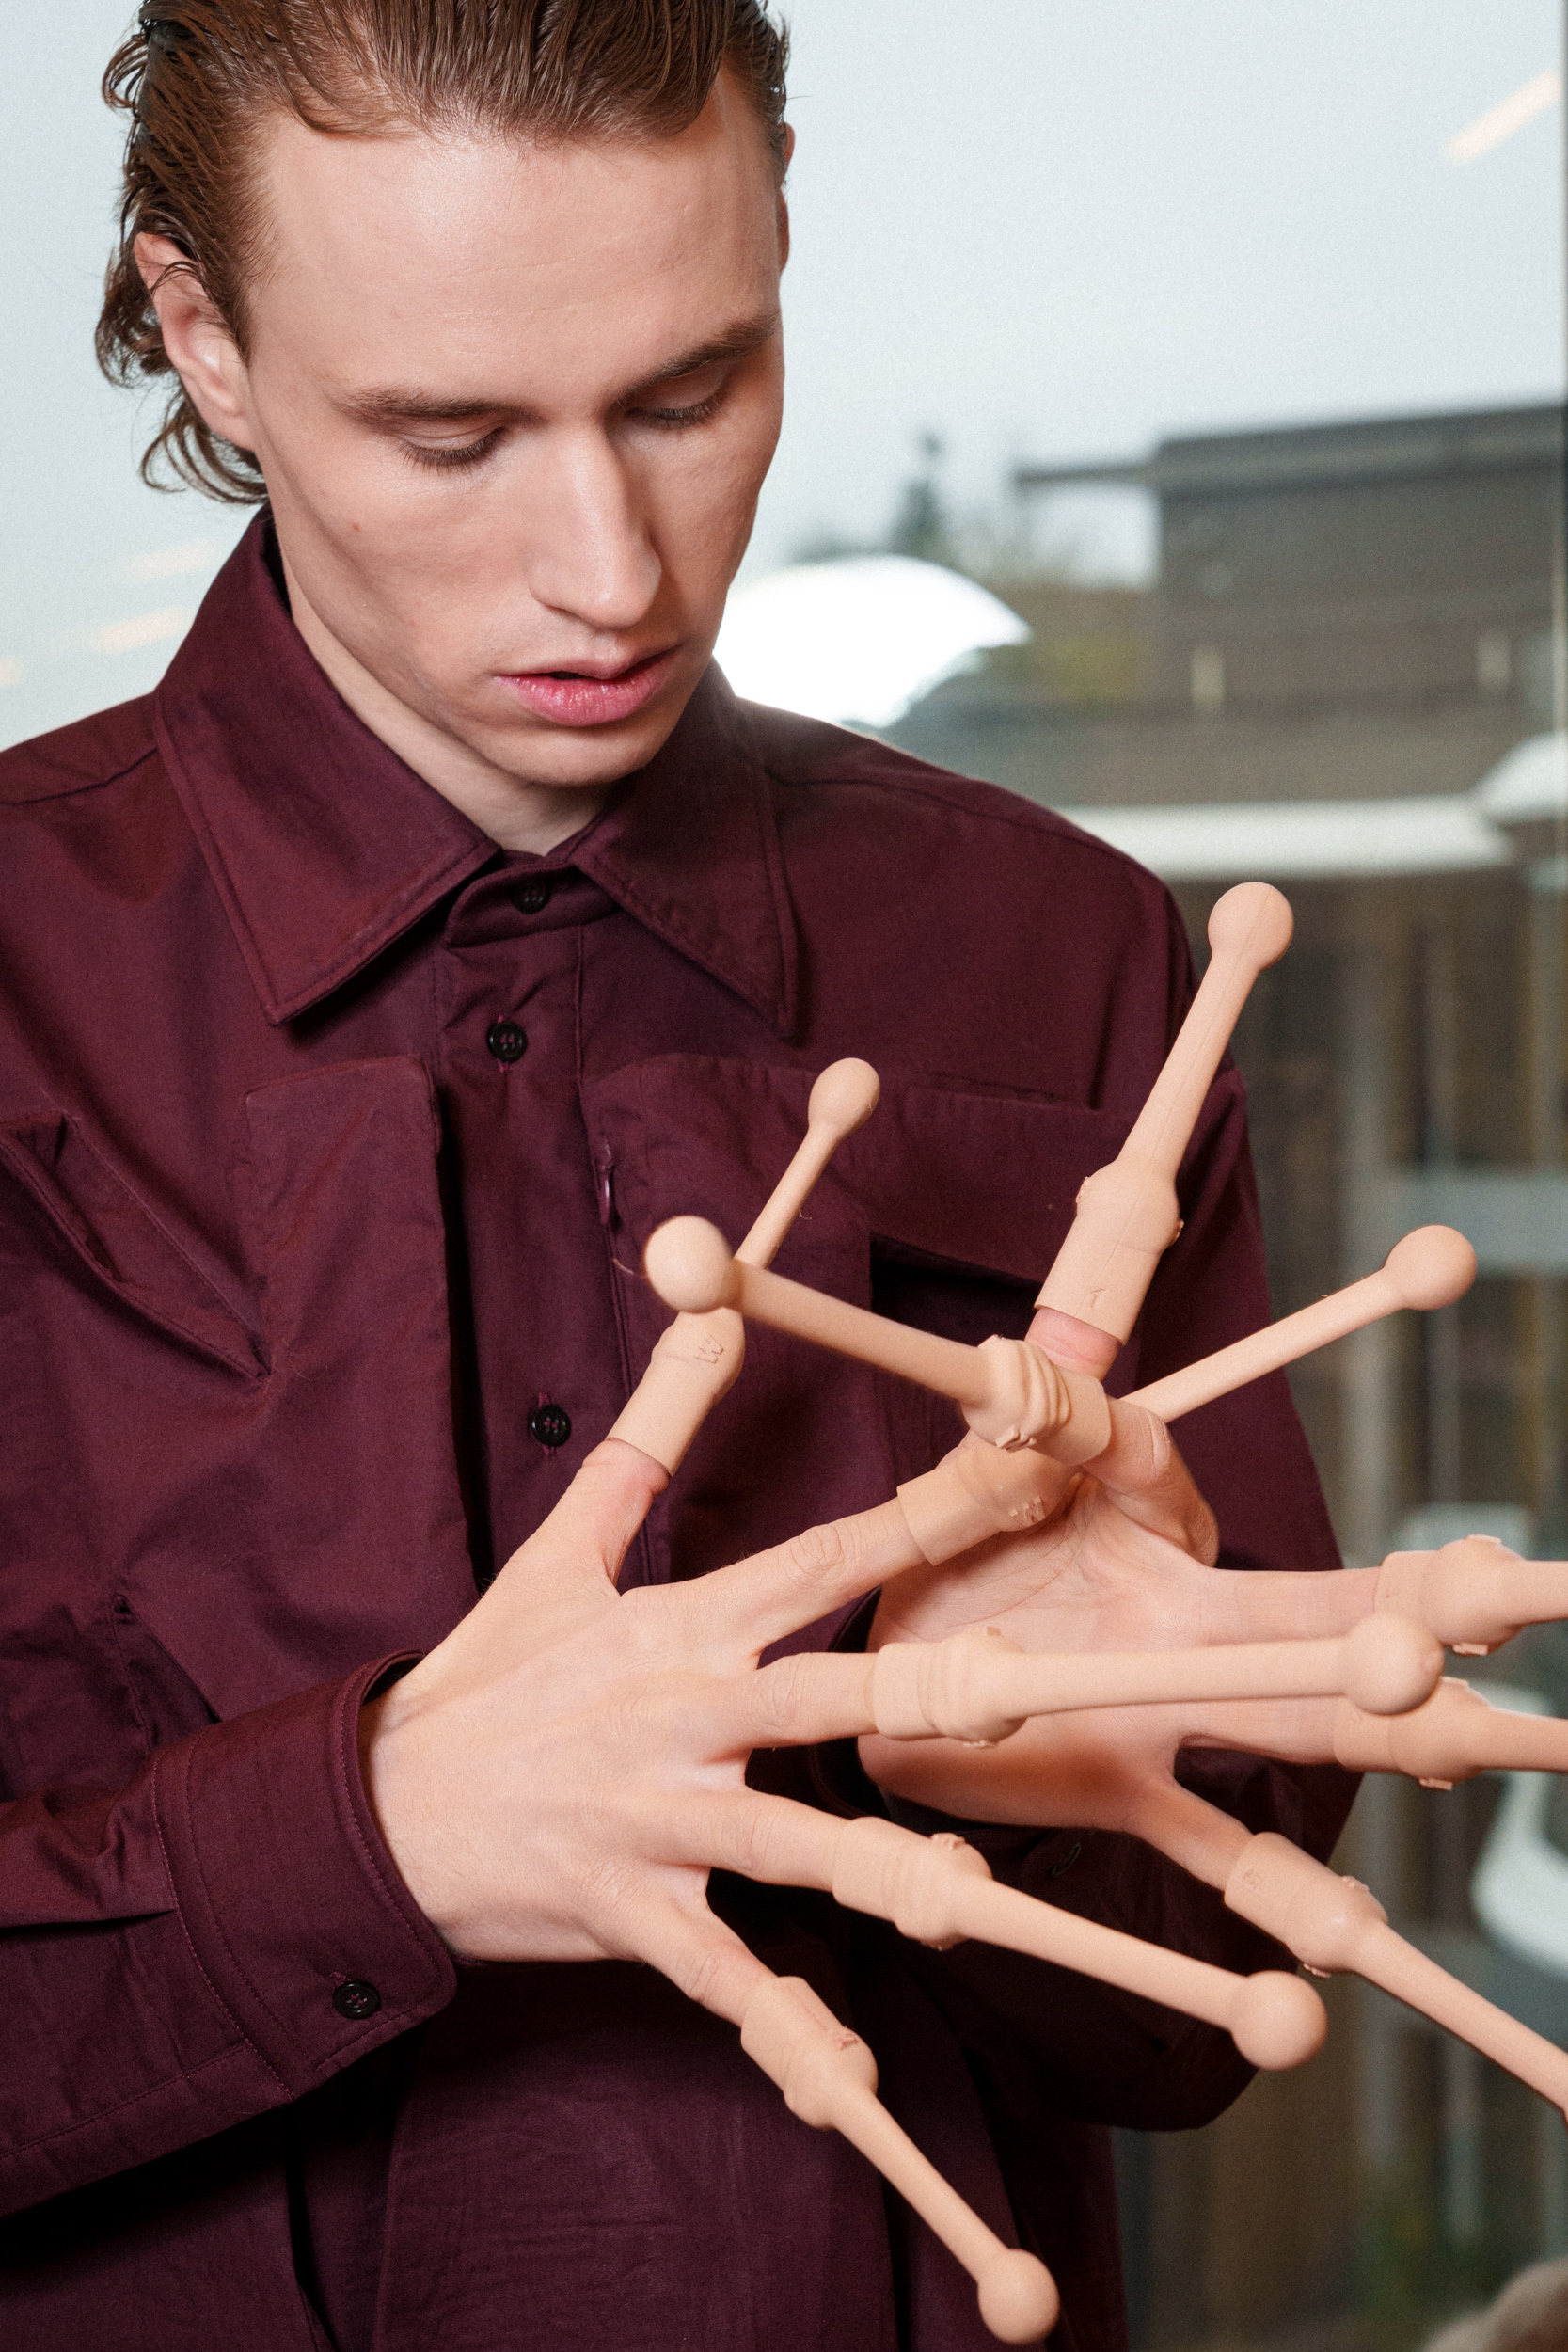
(355, 1999)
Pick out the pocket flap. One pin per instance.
(121, 1246)
(973, 1180)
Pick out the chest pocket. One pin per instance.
(945, 1209)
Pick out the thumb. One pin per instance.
(1143, 1474)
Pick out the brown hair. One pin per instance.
(199, 76)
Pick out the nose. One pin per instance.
(590, 557)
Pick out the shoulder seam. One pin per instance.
(1035, 814)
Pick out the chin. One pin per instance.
(581, 759)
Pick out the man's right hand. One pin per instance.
(557, 1779)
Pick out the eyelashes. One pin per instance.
(452, 460)
(461, 459)
(679, 420)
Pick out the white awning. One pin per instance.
(1278, 841)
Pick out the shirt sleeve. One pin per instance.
(215, 1939)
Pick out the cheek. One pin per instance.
(702, 506)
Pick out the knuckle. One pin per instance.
(701, 1969)
(781, 1695)
(822, 1552)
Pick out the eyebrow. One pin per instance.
(396, 404)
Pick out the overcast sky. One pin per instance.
(1037, 227)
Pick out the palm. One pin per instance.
(1092, 1579)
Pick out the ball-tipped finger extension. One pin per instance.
(690, 1265)
(1127, 1210)
(1431, 1267)
(1277, 2021)
(829, 2079)
(844, 1098)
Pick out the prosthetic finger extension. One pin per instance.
(939, 1891)
(1475, 1594)
(1453, 1737)
(698, 1359)
(1009, 1393)
(829, 2079)
(1127, 1212)
(979, 1688)
(842, 1099)
(1429, 1267)
(1338, 1928)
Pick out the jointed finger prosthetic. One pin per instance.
(1345, 1668)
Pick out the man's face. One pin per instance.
(513, 406)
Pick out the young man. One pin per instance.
(367, 995)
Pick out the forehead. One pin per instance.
(528, 268)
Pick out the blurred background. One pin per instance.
(1175, 427)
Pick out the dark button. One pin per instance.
(551, 1425)
(1060, 1869)
(533, 896)
(506, 1040)
(356, 1999)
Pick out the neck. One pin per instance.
(518, 815)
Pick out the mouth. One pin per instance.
(594, 695)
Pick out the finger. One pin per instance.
(701, 1957)
(1151, 1484)
(774, 1593)
(795, 1703)
(576, 1553)
(771, 1839)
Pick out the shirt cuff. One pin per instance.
(292, 1904)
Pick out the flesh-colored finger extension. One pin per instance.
(1431, 1267)
(1009, 1392)
(1335, 1926)
(1475, 1594)
(829, 2079)
(1127, 1212)
(941, 1892)
(1454, 1736)
(698, 1359)
(979, 1688)
(842, 1099)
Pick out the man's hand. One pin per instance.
(556, 1780)
(1122, 1564)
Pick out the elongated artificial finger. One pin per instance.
(829, 2079)
(1152, 1484)
(1339, 1927)
(774, 1593)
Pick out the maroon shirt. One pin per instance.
(294, 1241)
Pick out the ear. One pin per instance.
(203, 351)
(783, 206)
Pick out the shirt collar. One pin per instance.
(324, 847)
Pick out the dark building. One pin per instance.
(1342, 612)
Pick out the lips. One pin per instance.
(576, 698)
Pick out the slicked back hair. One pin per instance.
(198, 80)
